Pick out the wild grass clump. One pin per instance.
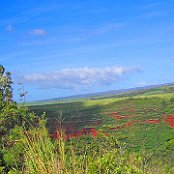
(103, 155)
(41, 154)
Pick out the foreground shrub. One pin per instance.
(86, 155)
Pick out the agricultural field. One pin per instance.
(139, 122)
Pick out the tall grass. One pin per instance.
(41, 155)
(94, 156)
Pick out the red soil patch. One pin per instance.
(118, 117)
(70, 127)
(170, 120)
(152, 121)
(107, 135)
(76, 134)
(113, 114)
(128, 124)
(85, 131)
(57, 135)
(90, 131)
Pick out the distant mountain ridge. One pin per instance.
(110, 93)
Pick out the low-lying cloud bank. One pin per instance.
(80, 78)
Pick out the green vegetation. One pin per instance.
(134, 134)
(59, 157)
(13, 120)
(155, 138)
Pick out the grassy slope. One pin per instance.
(157, 140)
(83, 113)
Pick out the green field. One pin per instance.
(85, 113)
(142, 126)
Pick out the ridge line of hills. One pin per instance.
(153, 89)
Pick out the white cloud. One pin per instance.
(80, 78)
(38, 32)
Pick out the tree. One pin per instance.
(1, 86)
(8, 88)
(1, 70)
(5, 87)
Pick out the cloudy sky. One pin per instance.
(66, 47)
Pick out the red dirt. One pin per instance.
(128, 124)
(118, 117)
(152, 121)
(76, 134)
(90, 131)
(170, 120)
(106, 135)
(113, 113)
(57, 135)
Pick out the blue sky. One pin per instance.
(67, 47)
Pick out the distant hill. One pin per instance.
(146, 90)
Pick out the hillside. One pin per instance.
(147, 90)
(142, 120)
(129, 133)
(123, 116)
